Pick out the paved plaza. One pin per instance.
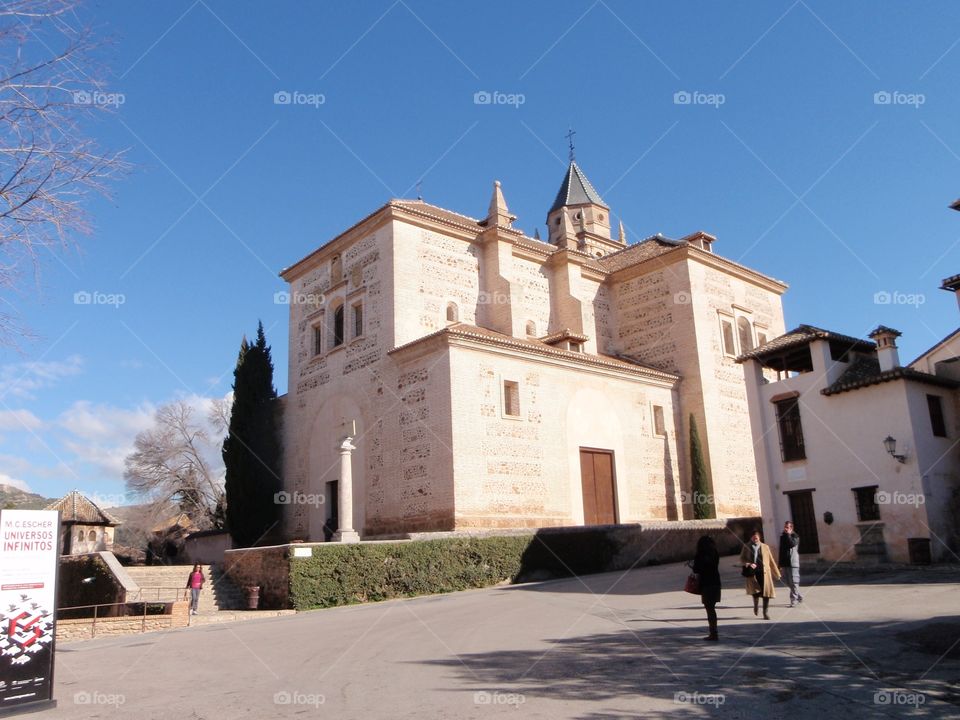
(607, 646)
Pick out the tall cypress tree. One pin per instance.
(251, 450)
(699, 483)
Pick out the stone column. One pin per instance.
(345, 533)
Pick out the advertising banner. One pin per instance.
(29, 559)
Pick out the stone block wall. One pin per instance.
(87, 629)
(267, 567)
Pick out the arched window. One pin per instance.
(336, 336)
(453, 312)
(531, 328)
(92, 535)
(746, 334)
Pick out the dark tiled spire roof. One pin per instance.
(576, 190)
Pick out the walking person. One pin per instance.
(789, 561)
(760, 571)
(195, 582)
(706, 564)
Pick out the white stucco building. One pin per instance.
(488, 379)
(859, 451)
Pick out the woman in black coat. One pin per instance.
(706, 565)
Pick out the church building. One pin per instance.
(453, 373)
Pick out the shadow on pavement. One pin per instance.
(757, 670)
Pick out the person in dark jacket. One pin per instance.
(706, 565)
(789, 561)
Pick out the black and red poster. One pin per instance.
(28, 575)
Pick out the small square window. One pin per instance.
(511, 398)
(866, 499)
(659, 427)
(576, 347)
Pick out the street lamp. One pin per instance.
(891, 446)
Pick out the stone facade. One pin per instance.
(471, 364)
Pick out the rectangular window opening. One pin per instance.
(937, 423)
(866, 499)
(791, 431)
(511, 398)
(659, 427)
(357, 320)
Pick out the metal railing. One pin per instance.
(100, 615)
(145, 594)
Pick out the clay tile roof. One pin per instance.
(803, 335)
(538, 346)
(637, 253)
(565, 334)
(576, 190)
(864, 376)
(77, 508)
(421, 207)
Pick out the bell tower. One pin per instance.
(579, 213)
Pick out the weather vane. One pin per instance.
(570, 133)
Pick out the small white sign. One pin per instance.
(302, 552)
(798, 474)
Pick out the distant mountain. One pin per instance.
(16, 499)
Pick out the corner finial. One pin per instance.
(623, 234)
(498, 213)
(570, 133)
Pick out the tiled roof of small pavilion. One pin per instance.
(804, 335)
(77, 508)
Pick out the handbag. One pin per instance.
(748, 571)
(692, 585)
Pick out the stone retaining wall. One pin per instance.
(87, 629)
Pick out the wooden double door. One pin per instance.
(599, 489)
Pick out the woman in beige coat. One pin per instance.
(758, 557)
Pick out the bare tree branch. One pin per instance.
(50, 83)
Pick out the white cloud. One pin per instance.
(19, 420)
(24, 379)
(14, 482)
(102, 435)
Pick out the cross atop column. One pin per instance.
(570, 133)
(348, 428)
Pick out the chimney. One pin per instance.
(886, 339)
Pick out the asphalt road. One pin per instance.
(605, 646)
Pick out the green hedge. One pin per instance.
(344, 574)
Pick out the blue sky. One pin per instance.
(820, 145)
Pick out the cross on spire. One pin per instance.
(570, 133)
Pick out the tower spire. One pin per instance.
(623, 234)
